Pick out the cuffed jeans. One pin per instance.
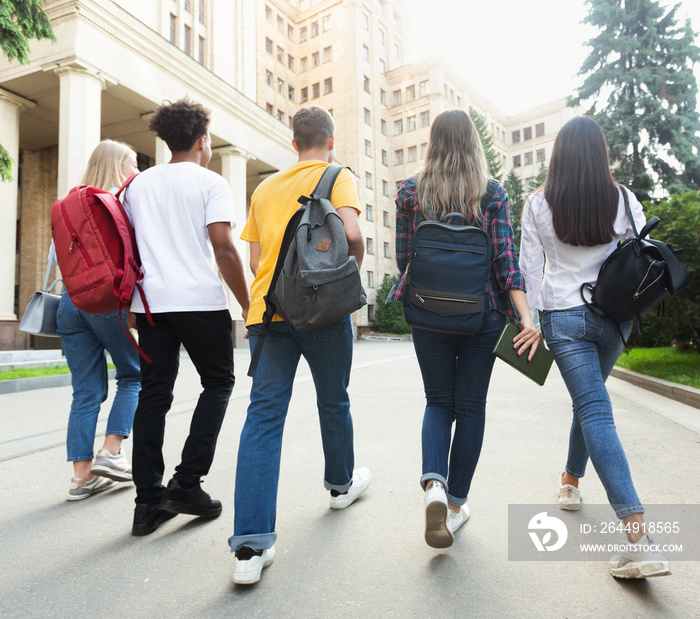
(328, 351)
(85, 337)
(456, 372)
(586, 346)
(207, 339)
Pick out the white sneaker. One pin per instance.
(81, 489)
(570, 497)
(641, 560)
(456, 519)
(437, 532)
(360, 482)
(114, 466)
(248, 571)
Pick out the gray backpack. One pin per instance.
(315, 281)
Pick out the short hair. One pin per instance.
(180, 124)
(313, 126)
(104, 169)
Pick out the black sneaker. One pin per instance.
(147, 518)
(181, 500)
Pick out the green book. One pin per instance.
(535, 370)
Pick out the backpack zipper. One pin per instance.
(636, 294)
(422, 299)
(74, 237)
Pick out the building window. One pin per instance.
(398, 185)
(280, 85)
(365, 52)
(327, 54)
(304, 95)
(201, 11)
(396, 97)
(382, 66)
(327, 22)
(370, 246)
(382, 37)
(539, 130)
(387, 251)
(290, 93)
(398, 157)
(270, 109)
(528, 158)
(385, 158)
(459, 101)
(368, 180)
(314, 29)
(290, 62)
(368, 148)
(365, 21)
(410, 92)
(315, 59)
(268, 78)
(303, 35)
(200, 50)
(316, 90)
(423, 149)
(280, 54)
(411, 154)
(386, 220)
(516, 136)
(304, 64)
(368, 212)
(370, 313)
(268, 13)
(423, 89)
(268, 45)
(370, 276)
(397, 51)
(398, 127)
(425, 119)
(540, 155)
(516, 161)
(290, 33)
(368, 117)
(173, 29)
(280, 115)
(385, 188)
(328, 86)
(280, 24)
(527, 133)
(383, 127)
(187, 6)
(330, 111)
(382, 96)
(365, 83)
(411, 123)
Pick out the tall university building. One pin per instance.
(254, 63)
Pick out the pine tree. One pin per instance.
(493, 159)
(20, 20)
(388, 315)
(516, 194)
(640, 85)
(541, 176)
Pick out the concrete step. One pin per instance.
(24, 365)
(14, 356)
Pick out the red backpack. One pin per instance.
(96, 252)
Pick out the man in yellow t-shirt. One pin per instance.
(328, 351)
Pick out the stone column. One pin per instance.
(10, 108)
(163, 153)
(79, 123)
(234, 170)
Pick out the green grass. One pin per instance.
(37, 372)
(665, 363)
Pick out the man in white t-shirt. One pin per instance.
(182, 215)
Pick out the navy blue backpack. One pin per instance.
(447, 277)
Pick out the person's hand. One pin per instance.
(528, 337)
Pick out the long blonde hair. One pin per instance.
(104, 169)
(455, 173)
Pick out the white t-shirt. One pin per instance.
(170, 207)
(555, 283)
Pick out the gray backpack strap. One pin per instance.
(324, 189)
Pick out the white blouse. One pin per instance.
(554, 271)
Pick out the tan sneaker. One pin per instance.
(81, 489)
(640, 560)
(114, 466)
(570, 497)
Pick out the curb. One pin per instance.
(40, 382)
(674, 391)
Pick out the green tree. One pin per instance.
(641, 89)
(516, 194)
(20, 20)
(541, 176)
(389, 314)
(493, 159)
(680, 324)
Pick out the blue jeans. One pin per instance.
(456, 372)
(328, 351)
(85, 338)
(586, 346)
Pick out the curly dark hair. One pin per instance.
(180, 124)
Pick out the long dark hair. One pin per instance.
(580, 189)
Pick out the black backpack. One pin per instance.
(636, 277)
(447, 278)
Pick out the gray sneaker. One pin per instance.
(81, 489)
(115, 467)
(640, 560)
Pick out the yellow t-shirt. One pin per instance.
(271, 207)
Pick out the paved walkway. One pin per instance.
(60, 559)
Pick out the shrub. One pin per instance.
(389, 314)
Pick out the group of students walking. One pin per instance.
(182, 216)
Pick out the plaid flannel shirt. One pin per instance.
(505, 272)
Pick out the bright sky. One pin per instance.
(517, 53)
